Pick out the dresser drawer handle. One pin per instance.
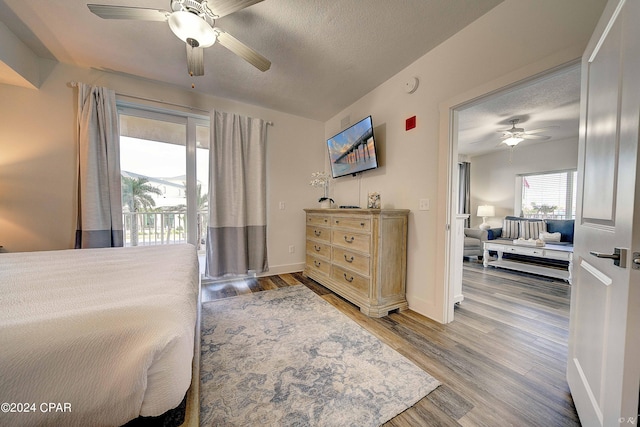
(337, 221)
(348, 279)
(362, 224)
(317, 264)
(317, 248)
(348, 259)
(317, 233)
(349, 240)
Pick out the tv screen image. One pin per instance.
(353, 150)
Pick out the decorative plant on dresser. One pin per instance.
(360, 254)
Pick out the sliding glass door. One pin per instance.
(164, 165)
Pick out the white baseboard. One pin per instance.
(283, 269)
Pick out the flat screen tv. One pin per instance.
(353, 150)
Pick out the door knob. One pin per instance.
(636, 261)
(619, 256)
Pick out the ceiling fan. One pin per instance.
(514, 136)
(192, 21)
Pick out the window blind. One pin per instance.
(549, 195)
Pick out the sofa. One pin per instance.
(474, 239)
(514, 227)
(558, 232)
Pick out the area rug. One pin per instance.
(286, 357)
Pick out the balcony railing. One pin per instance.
(161, 228)
(548, 216)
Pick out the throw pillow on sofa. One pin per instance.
(510, 229)
(550, 237)
(562, 226)
(532, 229)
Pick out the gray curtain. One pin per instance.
(99, 185)
(237, 228)
(464, 191)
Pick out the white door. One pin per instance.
(603, 369)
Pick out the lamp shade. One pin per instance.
(187, 26)
(486, 210)
(513, 141)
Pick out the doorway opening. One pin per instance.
(547, 108)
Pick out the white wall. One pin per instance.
(38, 162)
(517, 39)
(493, 175)
(495, 51)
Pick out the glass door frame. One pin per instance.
(190, 121)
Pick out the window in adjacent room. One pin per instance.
(550, 195)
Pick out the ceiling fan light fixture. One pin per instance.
(186, 26)
(512, 141)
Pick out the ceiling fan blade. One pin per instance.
(541, 129)
(243, 51)
(220, 8)
(105, 11)
(539, 137)
(511, 130)
(195, 60)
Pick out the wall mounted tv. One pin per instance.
(353, 150)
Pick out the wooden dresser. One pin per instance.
(360, 254)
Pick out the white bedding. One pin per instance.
(108, 332)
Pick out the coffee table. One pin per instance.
(549, 251)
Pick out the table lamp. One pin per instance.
(485, 211)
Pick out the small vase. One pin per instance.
(325, 204)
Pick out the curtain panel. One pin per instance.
(237, 228)
(99, 183)
(464, 191)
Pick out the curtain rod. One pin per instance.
(75, 84)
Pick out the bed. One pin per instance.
(96, 336)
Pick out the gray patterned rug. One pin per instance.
(286, 357)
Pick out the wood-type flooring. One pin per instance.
(501, 362)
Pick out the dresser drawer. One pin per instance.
(351, 260)
(352, 223)
(317, 248)
(317, 220)
(319, 233)
(350, 279)
(354, 241)
(318, 264)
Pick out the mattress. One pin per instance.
(96, 336)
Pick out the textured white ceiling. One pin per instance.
(551, 102)
(325, 54)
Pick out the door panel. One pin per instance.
(590, 324)
(604, 344)
(601, 142)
